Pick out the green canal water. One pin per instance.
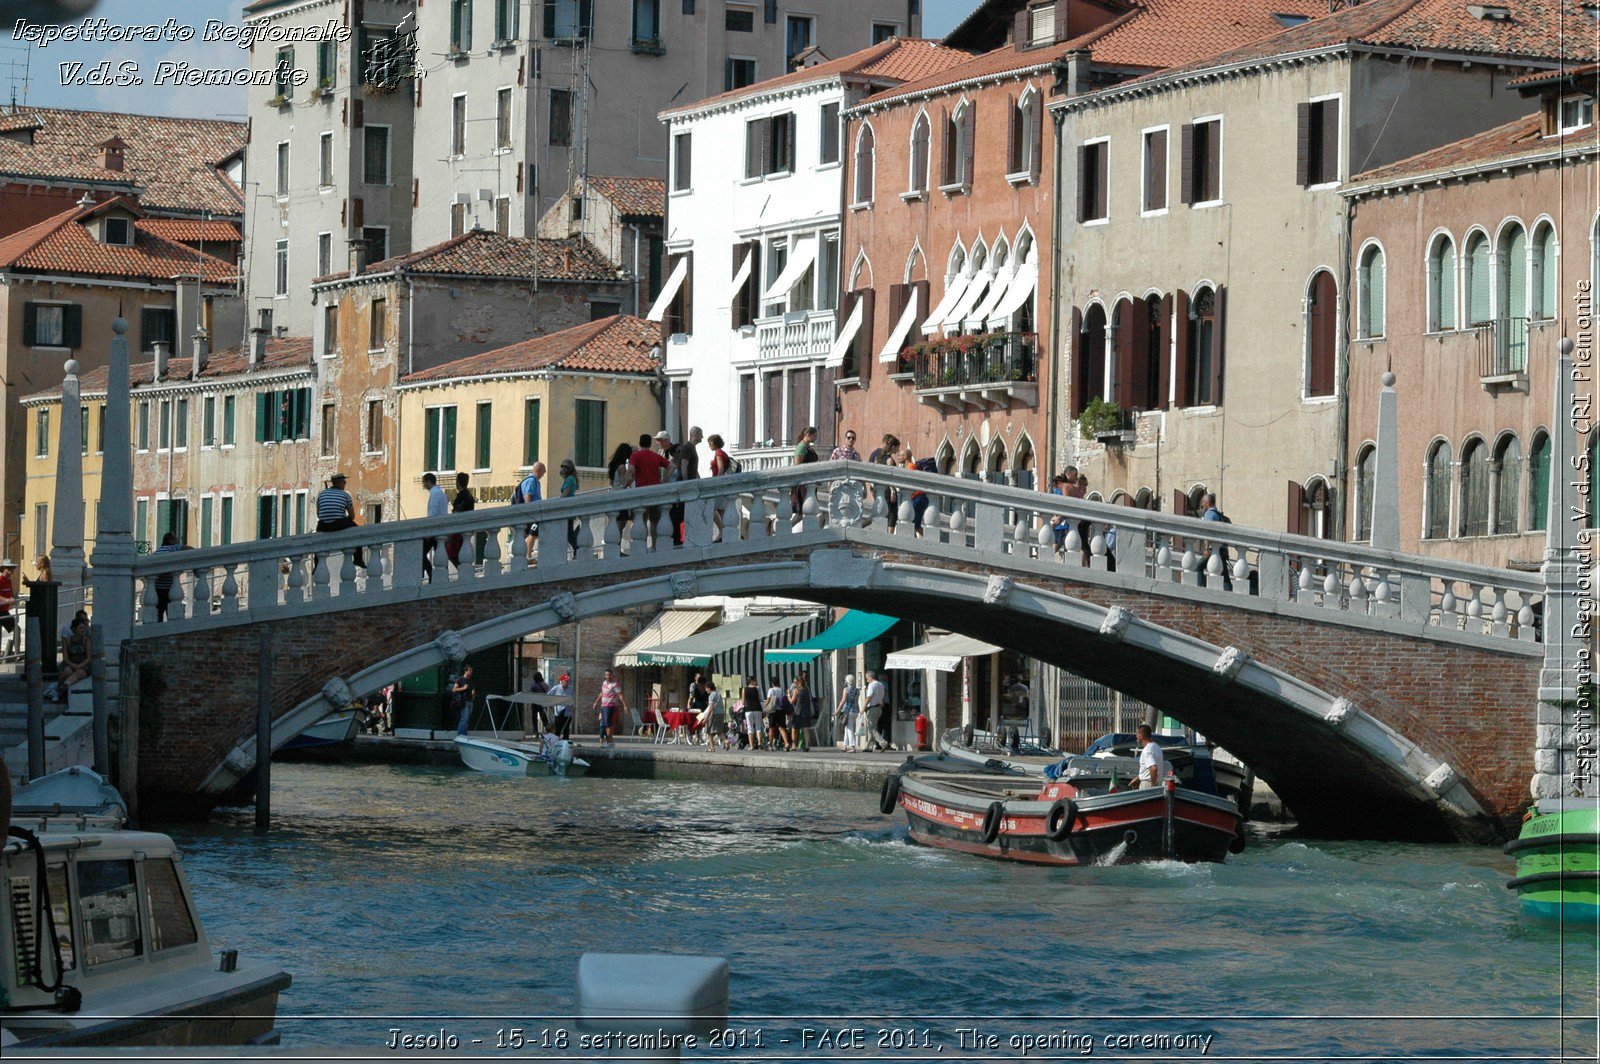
(427, 900)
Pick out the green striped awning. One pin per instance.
(853, 629)
(734, 649)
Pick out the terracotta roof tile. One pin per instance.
(481, 253)
(186, 230)
(64, 244)
(1502, 143)
(639, 196)
(618, 344)
(282, 352)
(1555, 77)
(173, 161)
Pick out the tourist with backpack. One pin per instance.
(530, 491)
(1209, 512)
(779, 713)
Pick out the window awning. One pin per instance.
(735, 649)
(801, 256)
(952, 292)
(669, 291)
(851, 630)
(1017, 292)
(741, 276)
(942, 654)
(841, 343)
(968, 300)
(897, 337)
(668, 626)
(997, 294)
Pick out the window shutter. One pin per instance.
(754, 133)
(947, 154)
(738, 308)
(1080, 364)
(1302, 144)
(766, 147)
(1013, 164)
(450, 437)
(1296, 525)
(1180, 334)
(1330, 140)
(1085, 191)
(971, 122)
(1102, 180)
(1164, 357)
(72, 325)
(863, 357)
(1186, 171)
(1035, 166)
(1124, 350)
(30, 324)
(1063, 10)
(1219, 353)
(549, 19)
(788, 125)
(1180, 503)
(262, 400)
(686, 294)
(1019, 30)
(923, 306)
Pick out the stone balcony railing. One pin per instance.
(992, 371)
(801, 334)
(1503, 352)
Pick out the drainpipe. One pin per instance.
(638, 235)
(1053, 416)
(411, 322)
(1343, 435)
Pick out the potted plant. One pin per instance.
(1101, 420)
(323, 90)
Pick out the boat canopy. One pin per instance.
(735, 649)
(668, 626)
(942, 654)
(851, 630)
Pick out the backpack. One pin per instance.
(517, 498)
(1224, 518)
(926, 465)
(734, 465)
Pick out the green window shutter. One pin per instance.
(205, 521)
(227, 419)
(72, 325)
(485, 415)
(580, 441)
(225, 532)
(530, 433)
(30, 324)
(431, 459)
(263, 399)
(449, 437)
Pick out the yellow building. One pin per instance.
(572, 394)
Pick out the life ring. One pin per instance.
(1059, 820)
(991, 821)
(889, 794)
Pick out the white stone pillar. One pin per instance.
(66, 539)
(1385, 500)
(113, 539)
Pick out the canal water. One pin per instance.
(446, 904)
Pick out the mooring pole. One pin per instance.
(35, 673)
(97, 678)
(264, 732)
(128, 728)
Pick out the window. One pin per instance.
(1442, 284)
(41, 433)
(170, 922)
(375, 158)
(828, 121)
(119, 231)
(110, 912)
(1317, 142)
(281, 284)
(1202, 162)
(589, 445)
(958, 143)
(207, 515)
(283, 415)
(502, 215)
(180, 426)
(458, 219)
(141, 522)
(458, 125)
(741, 72)
(100, 430)
(1154, 196)
(374, 433)
(1203, 384)
(739, 20)
(1478, 282)
(208, 422)
(325, 160)
(1506, 470)
(864, 160)
(679, 314)
(777, 259)
(647, 25)
(52, 324)
(1574, 113)
(883, 31)
(1094, 167)
(827, 269)
(328, 431)
(1544, 273)
(921, 136)
(386, 57)
(376, 238)
(142, 427)
(530, 432)
(283, 168)
(1023, 139)
(330, 330)
(1322, 334)
(266, 516)
(502, 119)
(682, 157)
(560, 126)
(1436, 514)
(568, 20)
(1366, 466)
(164, 426)
(1474, 489)
(225, 522)
(172, 515)
(83, 434)
(769, 146)
(158, 325)
(460, 25)
(505, 20)
(1370, 311)
(227, 420)
(439, 439)
(377, 324)
(797, 38)
(1041, 24)
(484, 440)
(324, 254)
(327, 64)
(283, 74)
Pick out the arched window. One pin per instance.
(1022, 471)
(1090, 359)
(1157, 312)
(1512, 272)
(1474, 489)
(1478, 281)
(1436, 522)
(1539, 483)
(969, 460)
(1203, 386)
(1370, 321)
(1507, 472)
(957, 146)
(1023, 138)
(864, 159)
(995, 471)
(1319, 510)
(1196, 494)
(1442, 284)
(1322, 334)
(946, 458)
(1544, 272)
(1366, 465)
(921, 137)
(1145, 500)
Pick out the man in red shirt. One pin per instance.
(8, 599)
(649, 466)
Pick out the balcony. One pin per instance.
(802, 334)
(761, 457)
(647, 45)
(976, 372)
(1503, 353)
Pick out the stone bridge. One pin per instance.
(1380, 694)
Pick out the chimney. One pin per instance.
(566, 260)
(202, 354)
(358, 255)
(189, 305)
(111, 153)
(258, 346)
(161, 359)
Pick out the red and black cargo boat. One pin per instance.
(1083, 817)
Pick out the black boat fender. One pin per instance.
(889, 794)
(1236, 844)
(991, 821)
(1059, 820)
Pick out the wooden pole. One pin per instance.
(264, 732)
(35, 674)
(97, 678)
(128, 730)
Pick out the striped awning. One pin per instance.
(668, 626)
(736, 649)
(851, 630)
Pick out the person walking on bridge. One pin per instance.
(438, 506)
(531, 490)
(846, 451)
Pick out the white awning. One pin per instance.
(897, 338)
(742, 276)
(997, 292)
(942, 654)
(1017, 292)
(668, 626)
(841, 343)
(952, 292)
(801, 256)
(669, 291)
(968, 300)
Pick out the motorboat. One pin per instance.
(102, 943)
(1088, 815)
(326, 740)
(552, 756)
(1005, 751)
(1558, 862)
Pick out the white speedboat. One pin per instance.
(101, 943)
(549, 757)
(326, 740)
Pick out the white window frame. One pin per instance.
(280, 273)
(1030, 98)
(1144, 173)
(856, 202)
(1563, 130)
(283, 173)
(1222, 191)
(366, 435)
(1430, 309)
(453, 153)
(1106, 219)
(1379, 330)
(963, 180)
(324, 239)
(388, 154)
(673, 188)
(511, 120)
(1338, 165)
(915, 191)
(325, 141)
(52, 303)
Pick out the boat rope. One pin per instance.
(67, 998)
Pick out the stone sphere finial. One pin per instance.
(71, 368)
(1565, 345)
(1388, 380)
(119, 325)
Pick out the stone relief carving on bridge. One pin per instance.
(998, 591)
(337, 693)
(451, 645)
(1115, 626)
(1341, 713)
(683, 585)
(566, 606)
(1227, 666)
(844, 503)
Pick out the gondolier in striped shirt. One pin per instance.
(336, 511)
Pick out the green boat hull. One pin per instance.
(1558, 862)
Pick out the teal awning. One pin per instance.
(851, 630)
(733, 649)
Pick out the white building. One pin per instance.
(754, 202)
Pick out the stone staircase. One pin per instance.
(68, 729)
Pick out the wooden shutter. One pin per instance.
(1330, 140)
(923, 306)
(1086, 193)
(1302, 144)
(789, 127)
(754, 134)
(30, 324)
(899, 295)
(970, 120)
(1124, 349)
(72, 325)
(747, 409)
(1080, 364)
(1164, 357)
(1013, 164)
(1102, 180)
(863, 341)
(1296, 524)
(1063, 31)
(263, 408)
(1180, 335)
(1186, 165)
(1180, 503)
(1323, 334)
(740, 307)
(1219, 346)
(1035, 164)
(686, 294)
(947, 149)
(1019, 29)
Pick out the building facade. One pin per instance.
(624, 218)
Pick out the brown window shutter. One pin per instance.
(1296, 525)
(1085, 183)
(522, 70)
(1323, 333)
(1063, 29)
(519, 177)
(686, 293)
(1219, 353)
(971, 120)
(1124, 348)
(754, 134)
(1013, 164)
(899, 296)
(416, 192)
(1186, 165)
(418, 82)
(1080, 364)
(1181, 326)
(358, 211)
(1155, 196)
(1164, 369)
(738, 308)
(344, 212)
(1330, 140)
(789, 125)
(1035, 164)
(1019, 29)
(249, 128)
(1102, 181)
(1180, 503)
(864, 339)
(1302, 144)
(947, 153)
(344, 112)
(923, 306)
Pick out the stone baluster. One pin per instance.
(1097, 553)
(492, 551)
(469, 555)
(1447, 606)
(1163, 562)
(375, 566)
(1499, 615)
(1191, 568)
(320, 590)
(1305, 586)
(958, 524)
(1241, 574)
(1215, 570)
(347, 572)
(230, 590)
(1474, 622)
(296, 582)
(186, 585)
(758, 517)
(810, 513)
(664, 528)
(1384, 599)
(639, 534)
(1332, 587)
(1526, 631)
(1357, 590)
(147, 601)
(906, 525)
(516, 554)
(608, 532)
(785, 521)
(1072, 547)
(732, 521)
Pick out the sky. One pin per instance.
(44, 74)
